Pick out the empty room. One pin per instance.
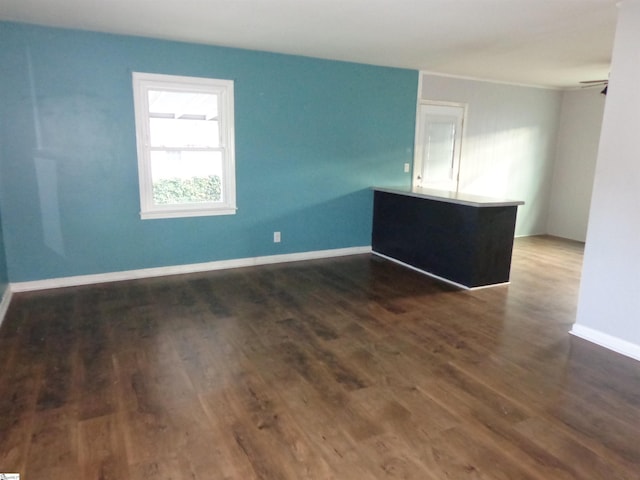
(319, 240)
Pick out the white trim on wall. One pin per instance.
(182, 269)
(607, 341)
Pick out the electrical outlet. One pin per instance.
(406, 168)
(276, 237)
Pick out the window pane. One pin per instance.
(191, 103)
(439, 149)
(168, 132)
(184, 177)
(182, 119)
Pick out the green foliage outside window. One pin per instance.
(187, 190)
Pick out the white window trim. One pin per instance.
(142, 83)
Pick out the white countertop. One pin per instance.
(451, 197)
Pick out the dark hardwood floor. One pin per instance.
(347, 368)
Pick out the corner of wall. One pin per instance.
(5, 302)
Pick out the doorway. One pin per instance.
(438, 145)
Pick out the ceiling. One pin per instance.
(552, 43)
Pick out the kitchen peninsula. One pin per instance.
(462, 239)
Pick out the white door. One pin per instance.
(438, 143)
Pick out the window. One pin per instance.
(185, 137)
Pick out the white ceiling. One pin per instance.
(554, 43)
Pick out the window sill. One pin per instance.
(158, 214)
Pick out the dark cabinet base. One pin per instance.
(467, 245)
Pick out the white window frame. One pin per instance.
(142, 83)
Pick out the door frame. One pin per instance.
(416, 181)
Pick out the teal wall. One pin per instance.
(311, 137)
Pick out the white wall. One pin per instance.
(509, 145)
(609, 304)
(576, 153)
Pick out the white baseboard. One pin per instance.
(182, 269)
(607, 341)
(4, 303)
(437, 277)
(424, 272)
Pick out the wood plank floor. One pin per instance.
(348, 368)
